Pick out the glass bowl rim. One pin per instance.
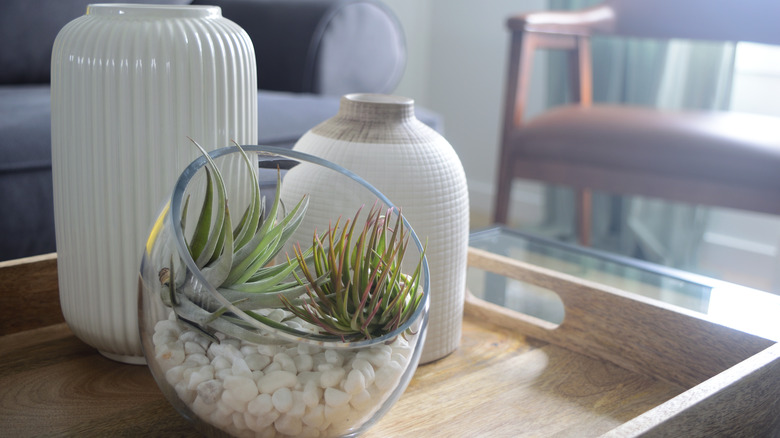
(176, 205)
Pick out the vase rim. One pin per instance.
(379, 98)
(127, 10)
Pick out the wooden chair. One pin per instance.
(712, 158)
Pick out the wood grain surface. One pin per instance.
(29, 294)
(511, 376)
(501, 384)
(52, 384)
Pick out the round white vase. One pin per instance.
(379, 138)
(129, 85)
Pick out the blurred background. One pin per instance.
(457, 63)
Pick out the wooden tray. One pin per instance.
(617, 366)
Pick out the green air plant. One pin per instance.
(349, 290)
(366, 295)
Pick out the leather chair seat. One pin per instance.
(736, 148)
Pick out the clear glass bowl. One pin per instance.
(261, 380)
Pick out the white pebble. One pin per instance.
(240, 368)
(338, 417)
(197, 359)
(174, 374)
(275, 380)
(264, 422)
(360, 400)
(184, 393)
(282, 400)
(400, 359)
(308, 376)
(303, 362)
(261, 405)
(273, 366)
(220, 362)
(192, 347)
(267, 349)
(221, 374)
(288, 425)
(333, 357)
(210, 391)
(203, 409)
(247, 349)
(366, 368)
(311, 393)
(388, 375)
(230, 400)
(238, 421)
(286, 362)
(226, 349)
(169, 355)
(162, 338)
(222, 416)
(314, 417)
(256, 375)
(257, 361)
(377, 356)
(335, 397)
(298, 406)
(309, 432)
(201, 375)
(308, 349)
(242, 388)
(331, 377)
(355, 382)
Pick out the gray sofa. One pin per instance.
(309, 53)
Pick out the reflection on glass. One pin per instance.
(736, 306)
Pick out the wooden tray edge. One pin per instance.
(638, 334)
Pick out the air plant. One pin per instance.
(366, 294)
(348, 291)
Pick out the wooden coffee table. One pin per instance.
(617, 364)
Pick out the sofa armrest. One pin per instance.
(330, 47)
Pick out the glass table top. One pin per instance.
(729, 304)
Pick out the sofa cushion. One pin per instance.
(27, 222)
(323, 47)
(28, 29)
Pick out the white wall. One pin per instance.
(456, 66)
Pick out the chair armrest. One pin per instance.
(330, 47)
(584, 22)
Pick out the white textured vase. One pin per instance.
(129, 84)
(379, 138)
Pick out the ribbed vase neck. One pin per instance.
(153, 11)
(376, 108)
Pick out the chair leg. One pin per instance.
(503, 190)
(584, 215)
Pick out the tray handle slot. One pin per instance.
(631, 331)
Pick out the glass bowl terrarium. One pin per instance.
(303, 315)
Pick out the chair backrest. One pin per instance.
(723, 20)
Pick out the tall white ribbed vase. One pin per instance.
(129, 84)
(379, 138)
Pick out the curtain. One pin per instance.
(670, 75)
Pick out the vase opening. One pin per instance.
(379, 98)
(127, 10)
(376, 108)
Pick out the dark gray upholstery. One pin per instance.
(309, 52)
